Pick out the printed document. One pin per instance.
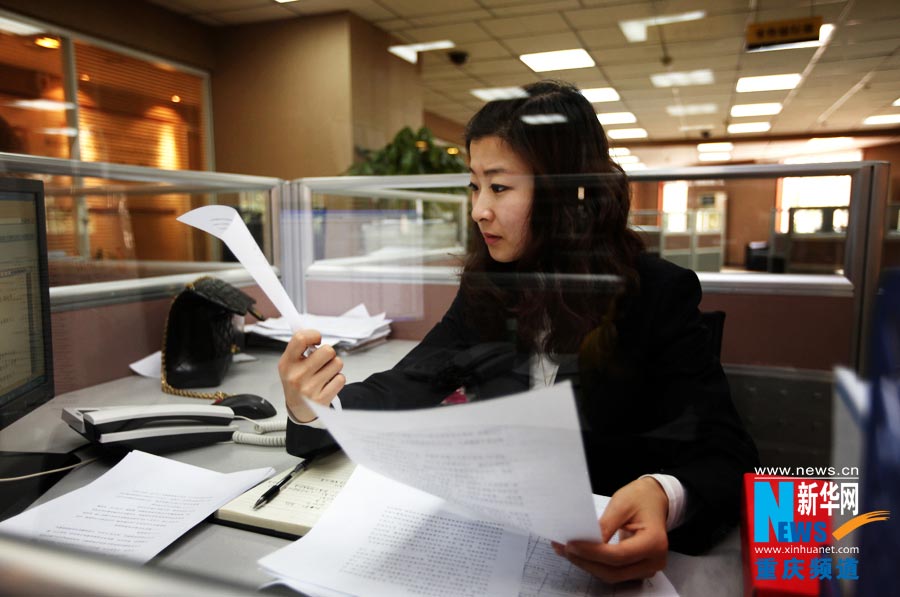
(136, 509)
(380, 537)
(517, 460)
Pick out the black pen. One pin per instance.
(271, 492)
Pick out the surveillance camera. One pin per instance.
(705, 134)
(458, 57)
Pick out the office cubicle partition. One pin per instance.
(117, 256)
(784, 331)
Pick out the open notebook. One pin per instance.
(299, 505)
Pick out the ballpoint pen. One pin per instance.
(271, 492)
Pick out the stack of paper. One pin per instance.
(350, 331)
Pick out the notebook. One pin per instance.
(299, 504)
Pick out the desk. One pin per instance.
(231, 554)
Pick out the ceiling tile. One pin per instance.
(542, 43)
(458, 33)
(603, 37)
(418, 8)
(451, 18)
(534, 8)
(520, 26)
(498, 66)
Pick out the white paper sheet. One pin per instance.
(518, 460)
(549, 575)
(383, 538)
(136, 509)
(225, 223)
(151, 365)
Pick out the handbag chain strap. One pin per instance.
(168, 388)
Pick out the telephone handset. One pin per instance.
(167, 427)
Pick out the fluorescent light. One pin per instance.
(65, 131)
(749, 127)
(882, 119)
(703, 76)
(632, 167)
(559, 60)
(896, 102)
(619, 151)
(410, 52)
(543, 118)
(635, 133)
(626, 159)
(755, 109)
(715, 156)
(600, 94)
(41, 104)
(828, 143)
(692, 109)
(635, 30)
(825, 32)
(768, 83)
(696, 127)
(724, 146)
(616, 118)
(490, 94)
(17, 27)
(284, 1)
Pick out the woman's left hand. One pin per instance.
(639, 509)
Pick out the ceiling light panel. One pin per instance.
(768, 82)
(766, 109)
(626, 159)
(600, 94)
(635, 133)
(749, 127)
(619, 151)
(491, 94)
(410, 52)
(702, 76)
(558, 60)
(18, 27)
(896, 102)
(724, 146)
(692, 109)
(883, 119)
(635, 30)
(616, 118)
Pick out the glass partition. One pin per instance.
(117, 224)
(721, 221)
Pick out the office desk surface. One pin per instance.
(231, 554)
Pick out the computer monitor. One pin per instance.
(26, 360)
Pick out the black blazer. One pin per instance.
(660, 404)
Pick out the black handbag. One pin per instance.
(200, 336)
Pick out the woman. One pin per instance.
(536, 305)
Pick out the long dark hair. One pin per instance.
(555, 130)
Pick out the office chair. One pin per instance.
(715, 323)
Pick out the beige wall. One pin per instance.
(446, 129)
(281, 98)
(139, 25)
(385, 91)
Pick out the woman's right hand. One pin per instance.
(317, 377)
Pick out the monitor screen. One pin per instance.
(26, 366)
